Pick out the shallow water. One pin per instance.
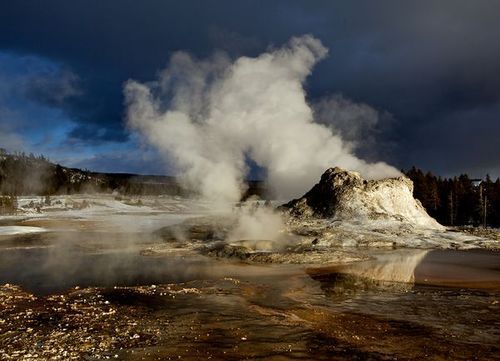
(448, 308)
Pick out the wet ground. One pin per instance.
(87, 294)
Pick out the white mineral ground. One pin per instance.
(14, 230)
(342, 219)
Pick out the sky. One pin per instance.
(428, 70)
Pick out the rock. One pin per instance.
(224, 250)
(342, 195)
(198, 229)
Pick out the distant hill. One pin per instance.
(22, 174)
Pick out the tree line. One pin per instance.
(23, 174)
(459, 200)
(453, 201)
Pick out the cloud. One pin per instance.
(36, 79)
(209, 116)
(420, 61)
(33, 92)
(10, 140)
(35, 117)
(51, 88)
(358, 124)
(464, 140)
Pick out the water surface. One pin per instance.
(402, 304)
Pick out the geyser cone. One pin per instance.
(346, 196)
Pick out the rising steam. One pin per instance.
(209, 116)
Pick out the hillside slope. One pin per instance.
(22, 174)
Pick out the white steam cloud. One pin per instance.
(358, 124)
(209, 116)
(258, 229)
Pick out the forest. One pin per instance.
(23, 174)
(460, 200)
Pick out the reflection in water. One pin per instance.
(397, 266)
(394, 270)
(474, 269)
(467, 307)
(54, 262)
(201, 307)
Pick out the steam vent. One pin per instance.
(344, 196)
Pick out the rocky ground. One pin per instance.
(314, 241)
(327, 234)
(229, 320)
(486, 233)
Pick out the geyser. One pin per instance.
(208, 116)
(344, 196)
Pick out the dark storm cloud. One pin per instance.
(36, 79)
(33, 91)
(470, 135)
(432, 65)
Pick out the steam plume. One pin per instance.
(208, 116)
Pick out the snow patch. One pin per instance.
(13, 230)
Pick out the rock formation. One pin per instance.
(342, 195)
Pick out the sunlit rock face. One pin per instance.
(396, 267)
(345, 196)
